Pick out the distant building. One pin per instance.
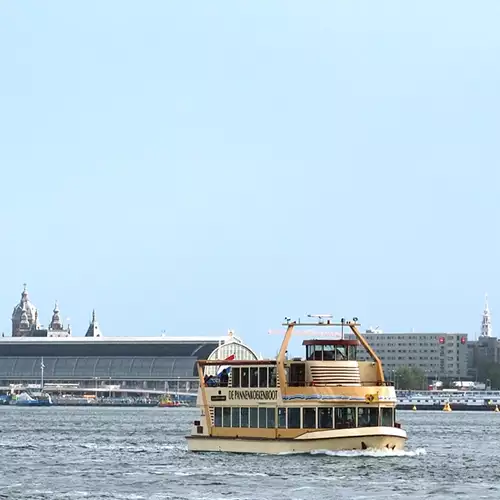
(484, 350)
(25, 321)
(25, 318)
(93, 330)
(94, 363)
(232, 348)
(441, 355)
(56, 326)
(486, 329)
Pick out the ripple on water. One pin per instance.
(140, 453)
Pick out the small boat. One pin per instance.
(25, 399)
(40, 399)
(326, 401)
(166, 402)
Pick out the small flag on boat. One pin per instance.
(225, 367)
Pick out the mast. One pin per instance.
(328, 323)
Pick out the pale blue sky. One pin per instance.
(234, 162)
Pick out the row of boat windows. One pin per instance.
(302, 418)
(331, 352)
(263, 376)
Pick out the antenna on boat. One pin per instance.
(321, 317)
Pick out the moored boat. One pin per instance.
(167, 402)
(25, 399)
(327, 401)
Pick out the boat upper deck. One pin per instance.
(327, 362)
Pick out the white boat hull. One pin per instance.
(332, 440)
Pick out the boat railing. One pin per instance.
(364, 383)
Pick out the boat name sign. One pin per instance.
(254, 394)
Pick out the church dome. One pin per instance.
(29, 310)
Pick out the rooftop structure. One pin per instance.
(25, 321)
(486, 330)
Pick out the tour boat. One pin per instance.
(327, 401)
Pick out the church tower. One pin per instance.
(93, 329)
(56, 327)
(486, 330)
(24, 317)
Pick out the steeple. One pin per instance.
(93, 329)
(486, 330)
(55, 323)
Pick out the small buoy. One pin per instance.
(447, 407)
(496, 408)
(414, 408)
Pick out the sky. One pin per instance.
(192, 167)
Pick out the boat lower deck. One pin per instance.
(391, 438)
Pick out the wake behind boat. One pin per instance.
(327, 401)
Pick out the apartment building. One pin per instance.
(442, 355)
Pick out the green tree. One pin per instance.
(490, 371)
(410, 378)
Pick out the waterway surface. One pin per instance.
(140, 453)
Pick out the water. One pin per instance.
(140, 453)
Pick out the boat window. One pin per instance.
(271, 418)
(226, 417)
(254, 377)
(345, 418)
(314, 352)
(318, 353)
(282, 418)
(367, 417)
(218, 416)
(309, 352)
(387, 417)
(254, 418)
(262, 418)
(235, 417)
(244, 417)
(235, 377)
(293, 418)
(328, 353)
(272, 376)
(244, 377)
(340, 353)
(263, 376)
(325, 418)
(352, 352)
(297, 374)
(309, 418)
